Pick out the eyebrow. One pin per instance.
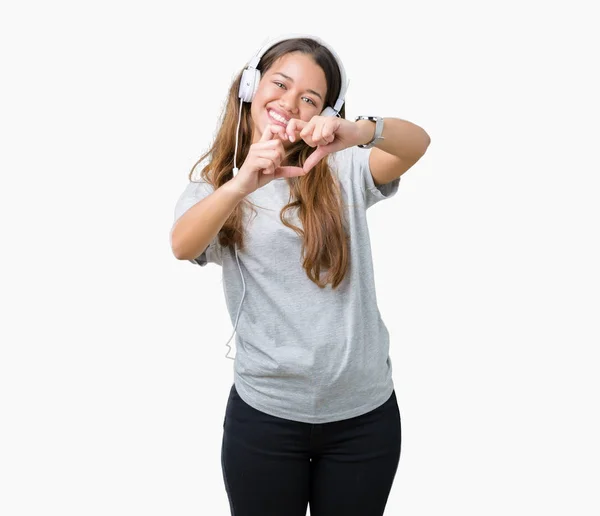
(292, 80)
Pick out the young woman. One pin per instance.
(312, 416)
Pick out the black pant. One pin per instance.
(276, 467)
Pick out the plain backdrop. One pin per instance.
(113, 376)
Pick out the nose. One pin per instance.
(288, 102)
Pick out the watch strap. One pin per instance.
(378, 130)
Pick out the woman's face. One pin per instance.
(294, 87)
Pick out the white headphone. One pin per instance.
(251, 76)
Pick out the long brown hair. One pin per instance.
(316, 195)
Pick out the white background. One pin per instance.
(113, 380)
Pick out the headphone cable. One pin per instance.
(235, 170)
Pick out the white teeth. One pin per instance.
(278, 117)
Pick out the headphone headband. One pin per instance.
(249, 82)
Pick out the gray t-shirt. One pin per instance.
(304, 353)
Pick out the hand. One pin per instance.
(327, 133)
(262, 163)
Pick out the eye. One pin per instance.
(281, 85)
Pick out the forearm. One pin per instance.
(401, 137)
(198, 226)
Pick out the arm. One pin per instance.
(403, 145)
(197, 227)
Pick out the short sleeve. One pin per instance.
(353, 164)
(194, 192)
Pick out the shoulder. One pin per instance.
(353, 169)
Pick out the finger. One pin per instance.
(315, 157)
(307, 134)
(265, 165)
(289, 172)
(271, 131)
(327, 134)
(280, 133)
(267, 134)
(270, 170)
(295, 125)
(275, 155)
(270, 145)
(324, 133)
(317, 135)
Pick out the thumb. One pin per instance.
(318, 154)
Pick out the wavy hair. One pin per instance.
(316, 196)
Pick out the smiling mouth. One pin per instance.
(277, 118)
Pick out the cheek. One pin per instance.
(308, 112)
(264, 92)
(255, 113)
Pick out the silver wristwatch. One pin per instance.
(378, 130)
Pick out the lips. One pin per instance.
(279, 122)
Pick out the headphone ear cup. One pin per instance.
(249, 84)
(328, 111)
